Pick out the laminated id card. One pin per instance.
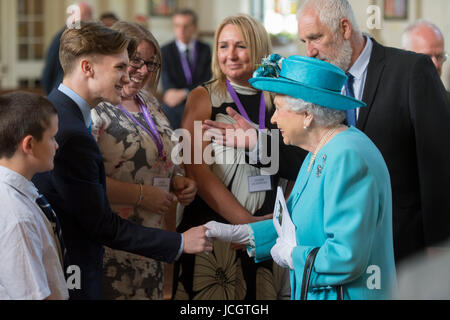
(162, 183)
(259, 184)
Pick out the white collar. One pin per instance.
(360, 66)
(247, 91)
(84, 107)
(18, 182)
(182, 46)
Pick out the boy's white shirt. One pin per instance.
(31, 266)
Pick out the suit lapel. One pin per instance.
(374, 72)
(176, 57)
(63, 102)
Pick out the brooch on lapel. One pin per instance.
(321, 167)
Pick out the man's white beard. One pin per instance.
(344, 52)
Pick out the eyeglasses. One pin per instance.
(138, 63)
(441, 58)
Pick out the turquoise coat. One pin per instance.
(343, 206)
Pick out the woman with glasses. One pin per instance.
(142, 181)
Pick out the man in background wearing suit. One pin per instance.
(53, 74)
(186, 64)
(426, 38)
(406, 117)
(95, 60)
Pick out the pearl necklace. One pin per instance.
(320, 146)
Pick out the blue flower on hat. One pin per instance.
(270, 66)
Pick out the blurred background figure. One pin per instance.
(53, 73)
(426, 38)
(425, 278)
(143, 20)
(108, 19)
(186, 65)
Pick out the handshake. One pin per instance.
(197, 240)
(238, 234)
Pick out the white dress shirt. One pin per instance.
(182, 48)
(85, 108)
(359, 71)
(31, 266)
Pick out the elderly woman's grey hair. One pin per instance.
(331, 12)
(324, 117)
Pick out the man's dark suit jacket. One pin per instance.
(408, 118)
(173, 75)
(76, 189)
(53, 74)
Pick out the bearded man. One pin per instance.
(406, 117)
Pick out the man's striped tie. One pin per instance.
(51, 216)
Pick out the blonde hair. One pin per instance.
(140, 33)
(255, 37)
(92, 38)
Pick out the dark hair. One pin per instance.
(187, 12)
(91, 38)
(22, 114)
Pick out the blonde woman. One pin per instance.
(142, 181)
(226, 191)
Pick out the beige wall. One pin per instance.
(212, 12)
(436, 11)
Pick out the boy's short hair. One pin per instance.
(22, 114)
(90, 39)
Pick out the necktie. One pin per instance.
(51, 216)
(350, 92)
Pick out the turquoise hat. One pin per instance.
(305, 78)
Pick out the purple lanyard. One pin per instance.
(153, 132)
(262, 107)
(185, 64)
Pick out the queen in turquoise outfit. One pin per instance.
(341, 204)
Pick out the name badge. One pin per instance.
(162, 183)
(259, 184)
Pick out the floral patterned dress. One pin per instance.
(131, 156)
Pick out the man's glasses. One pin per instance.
(138, 63)
(441, 58)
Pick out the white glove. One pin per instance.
(228, 233)
(282, 254)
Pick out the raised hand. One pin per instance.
(241, 135)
